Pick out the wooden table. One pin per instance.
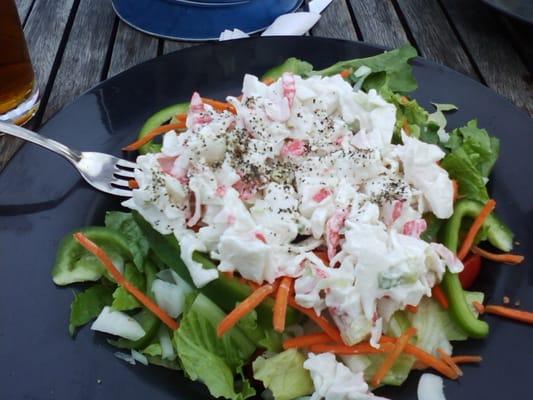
(75, 44)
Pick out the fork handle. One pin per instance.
(30, 136)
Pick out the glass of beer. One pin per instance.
(19, 93)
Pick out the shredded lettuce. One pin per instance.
(284, 375)
(88, 304)
(262, 337)
(211, 359)
(138, 244)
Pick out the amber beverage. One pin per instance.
(18, 91)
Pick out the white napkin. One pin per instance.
(292, 24)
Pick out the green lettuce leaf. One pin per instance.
(262, 337)
(124, 223)
(122, 300)
(462, 169)
(211, 359)
(390, 70)
(284, 375)
(88, 304)
(481, 148)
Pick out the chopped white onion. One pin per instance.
(169, 297)
(167, 350)
(118, 323)
(430, 387)
(125, 357)
(139, 357)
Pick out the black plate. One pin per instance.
(42, 198)
(521, 9)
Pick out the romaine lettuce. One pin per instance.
(211, 359)
(284, 375)
(88, 304)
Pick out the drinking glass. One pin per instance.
(19, 93)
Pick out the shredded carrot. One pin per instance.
(306, 340)
(119, 278)
(228, 274)
(181, 117)
(323, 323)
(449, 361)
(455, 186)
(404, 100)
(220, 105)
(359, 348)
(424, 357)
(438, 294)
(280, 306)
(268, 81)
(474, 229)
(505, 257)
(345, 73)
(244, 308)
(412, 309)
(466, 359)
(133, 184)
(153, 134)
(518, 315)
(391, 358)
(406, 127)
(480, 308)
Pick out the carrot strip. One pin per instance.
(505, 257)
(268, 81)
(119, 278)
(345, 73)
(455, 186)
(449, 361)
(474, 229)
(306, 340)
(244, 308)
(220, 105)
(360, 348)
(518, 315)
(280, 306)
(181, 117)
(439, 295)
(133, 184)
(480, 308)
(323, 323)
(424, 357)
(391, 358)
(153, 134)
(406, 127)
(412, 309)
(466, 359)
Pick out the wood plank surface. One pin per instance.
(336, 22)
(499, 64)
(170, 45)
(23, 7)
(44, 41)
(131, 47)
(379, 23)
(434, 36)
(82, 65)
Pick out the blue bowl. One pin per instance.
(200, 20)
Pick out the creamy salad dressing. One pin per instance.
(305, 164)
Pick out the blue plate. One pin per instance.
(199, 20)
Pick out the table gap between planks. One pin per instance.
(75, 44)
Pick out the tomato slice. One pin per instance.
(469, 274)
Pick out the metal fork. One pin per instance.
(102, 171)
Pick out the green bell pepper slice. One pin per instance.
(158, 119)
(498, 235)
(75, 264)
